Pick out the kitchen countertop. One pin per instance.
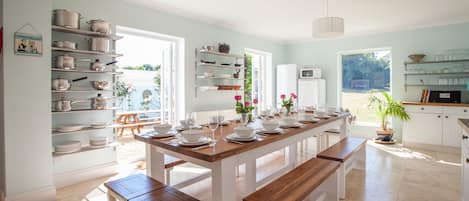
(464, 123)
(436, 104)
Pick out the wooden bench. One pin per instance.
(169, 163)
(351, 153)
(315, 179)
(140, 187)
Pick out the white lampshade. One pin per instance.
(328, 27)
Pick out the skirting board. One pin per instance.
(69, 178)
(431, 147)
(43, 194)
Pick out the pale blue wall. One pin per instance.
(426, 40)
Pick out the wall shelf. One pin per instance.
(82, 91)
(221, 54)
(87, 149)
(85, 71)
(435, 85)
(218, 78)
(220, 66)
(83, 110)
(436, 62)
(76, 51)
(85, 32)
(86, 129)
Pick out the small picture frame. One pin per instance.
(28, 44)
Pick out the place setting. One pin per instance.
(242, 134)
(308, 118)
(161, 131)
(270, 127)
(188, 123)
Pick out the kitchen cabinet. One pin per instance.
(465, 169)
(434, 125)
(423, 128)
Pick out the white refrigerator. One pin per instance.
(312, 92)
(287, 80)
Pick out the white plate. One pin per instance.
(180, 128)
(235, 137)
(334, 114)
(155, 134)
(322, 116)
(70, 128)
(225, 123)
(202, 141)
(313, 120)
(275, 131)
(68, 152)
(295, 125)
(98, 125)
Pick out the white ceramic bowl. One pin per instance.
(192, 135)
(309, 108)
(289, 120)
(162, 128)
(307, 116)
(321, 114)
(270, 124)
(67, 146)
(98, 141)
(244, 131)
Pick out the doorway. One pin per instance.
(145, 89)
(258, 78)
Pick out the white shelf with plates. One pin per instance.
(87, 149)
(77, 51)
(85, 71)
(86, 129)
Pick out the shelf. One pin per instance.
(85, 32)
(87, 149)
(220, 66)
(86, 52)
(57, 133)
(83, 110)
(85, 71)
(221, 54)
(436, 104)
(435, 85)
(435, 73)
(436, 62)
(82, 91)
(218, 78)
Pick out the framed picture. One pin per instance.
(28, 44)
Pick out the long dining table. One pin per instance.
(224, 158)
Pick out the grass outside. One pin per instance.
(357, 103)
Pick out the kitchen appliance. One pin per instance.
(314, 73)
(99, 25)
(67, 18)
(65, 105)
(445, 97)
(100, 85)
(61, 84)
(98, 66)
(98, 102)
(287, 80)
(311, 92)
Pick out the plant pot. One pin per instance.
(380, 131)
(384, 136)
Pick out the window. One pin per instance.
(256, 76)
(362, 73)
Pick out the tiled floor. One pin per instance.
(394, 173)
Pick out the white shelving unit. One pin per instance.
(233, 64)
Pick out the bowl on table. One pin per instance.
(243, 131)
(270, 125)
(162, 128)
(289, 120)
(192, 135)
(307, 117)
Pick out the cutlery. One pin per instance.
(167, 138)
(235, 142)
(205, 146)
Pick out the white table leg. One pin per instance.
(344, 129)
(341, 174)
(155, 163)
(224, 180)
(250, 176)
(292, 155)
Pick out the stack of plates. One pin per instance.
(236, 137)
(275, 131)
(98, 125)
(70, 128)
(68, 147)
(98, 142)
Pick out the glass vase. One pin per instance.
(244, 119)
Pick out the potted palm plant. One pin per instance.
(386, 107)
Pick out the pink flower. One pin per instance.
(282, 96)
(246, 103)
(255, 101)
(237, 97)
(293, 95)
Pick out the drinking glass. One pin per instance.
(213, 124)
(190, 120)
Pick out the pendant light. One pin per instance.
(328, 27)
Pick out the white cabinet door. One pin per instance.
(452, 132)
(465, 173)
(423, 128)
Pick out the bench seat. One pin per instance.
(299, 183)
(140, 187)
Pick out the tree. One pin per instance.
(248, 77)
(366, 67)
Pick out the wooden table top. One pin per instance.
(226, 149)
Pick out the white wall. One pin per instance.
(196, 34)
(2, 131)
(26, 101)
(427, 40)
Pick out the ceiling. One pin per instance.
(291, 19)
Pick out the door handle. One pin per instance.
(464, 137)
(467, 160)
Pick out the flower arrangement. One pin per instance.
(288, 103)
(247, 107)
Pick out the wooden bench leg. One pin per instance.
(167, 175)
(360, 161)
(110, 197)
(341, 178)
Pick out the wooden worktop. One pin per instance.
(226, 149)
(436, 104)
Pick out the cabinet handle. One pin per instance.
(446, 116)
(465, 110)
(464, 137)
(422, 108)
(467, 160)
(438, 116)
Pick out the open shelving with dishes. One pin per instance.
(70, 47)
(444, 73)
(218, 72)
